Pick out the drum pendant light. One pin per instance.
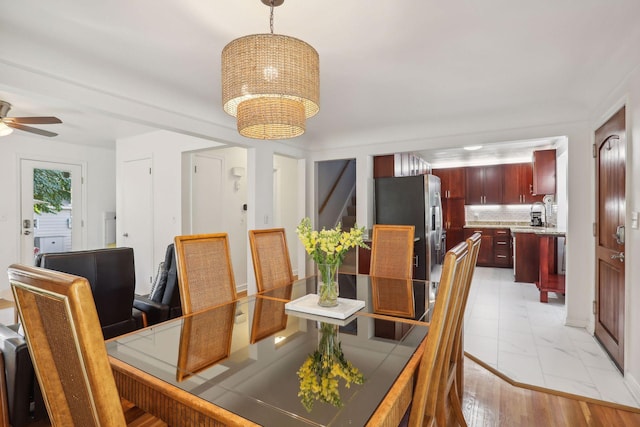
(270, 83)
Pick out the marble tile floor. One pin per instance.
(509, 329)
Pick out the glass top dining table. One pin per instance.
(245, 356)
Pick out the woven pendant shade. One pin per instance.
(271, 83)
(271, 118)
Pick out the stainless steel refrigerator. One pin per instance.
(415, 200)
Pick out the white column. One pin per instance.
(259, 198)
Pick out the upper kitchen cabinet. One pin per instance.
(544, 172)
(452, 191)
(383, 166)
(483, 185)
(451, 182)
(399, 164)
(518, 184)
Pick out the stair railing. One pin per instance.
(347, 203)
(335, 185)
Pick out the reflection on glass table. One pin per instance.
(205, 340)
(258, 380)
(269, 317)
(393, 297)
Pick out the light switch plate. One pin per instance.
(634, 220)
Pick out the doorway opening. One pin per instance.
(336, 200)
(50, 208)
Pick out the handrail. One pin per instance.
(335, 185)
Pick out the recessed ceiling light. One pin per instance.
(473, 147)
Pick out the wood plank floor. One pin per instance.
(491, 400)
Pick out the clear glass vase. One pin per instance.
(328, 285)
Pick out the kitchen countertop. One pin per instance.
(520, 228)
(542, 231)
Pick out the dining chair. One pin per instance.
(474, 242)
(437, 349)
(452, 380)
(67, 348)
(271, 263)
(392, 251)
(205, 273)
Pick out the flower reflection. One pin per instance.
(320, 373)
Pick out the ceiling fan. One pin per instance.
(20, 122)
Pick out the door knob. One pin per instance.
(125, 235)
(619, 257)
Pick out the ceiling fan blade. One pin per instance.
(33, 120)
(30, 129)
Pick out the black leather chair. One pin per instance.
(163, 303)
(111, 274)
(24, 399)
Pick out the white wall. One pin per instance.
(286, 205)
(234, 219)
(99, 171)
(165, 149)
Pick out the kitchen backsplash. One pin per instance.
(505, 213)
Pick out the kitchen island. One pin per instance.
(535, 258)
(548, 278)
(529, 246)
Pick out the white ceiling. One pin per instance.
(408, 69)
(493, 153)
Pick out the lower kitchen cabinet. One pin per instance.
(495, 246)
(453, 220)
(485, 254)
(454, 236)
(526, 257)
(502, 248)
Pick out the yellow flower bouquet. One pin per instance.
(328, 249)
(319, 375)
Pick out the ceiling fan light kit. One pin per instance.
(7, 124)
(270, 83)
(4, 129)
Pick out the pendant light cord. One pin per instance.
(271, 18)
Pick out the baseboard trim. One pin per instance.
(550, 391)
(576, 323)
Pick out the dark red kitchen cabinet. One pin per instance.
(544, 172)
(451, 182)
(483, 185)
(518, 184)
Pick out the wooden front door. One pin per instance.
(610, 142)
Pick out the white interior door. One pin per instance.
(56, 231)
(137, 221)
(206, 194)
